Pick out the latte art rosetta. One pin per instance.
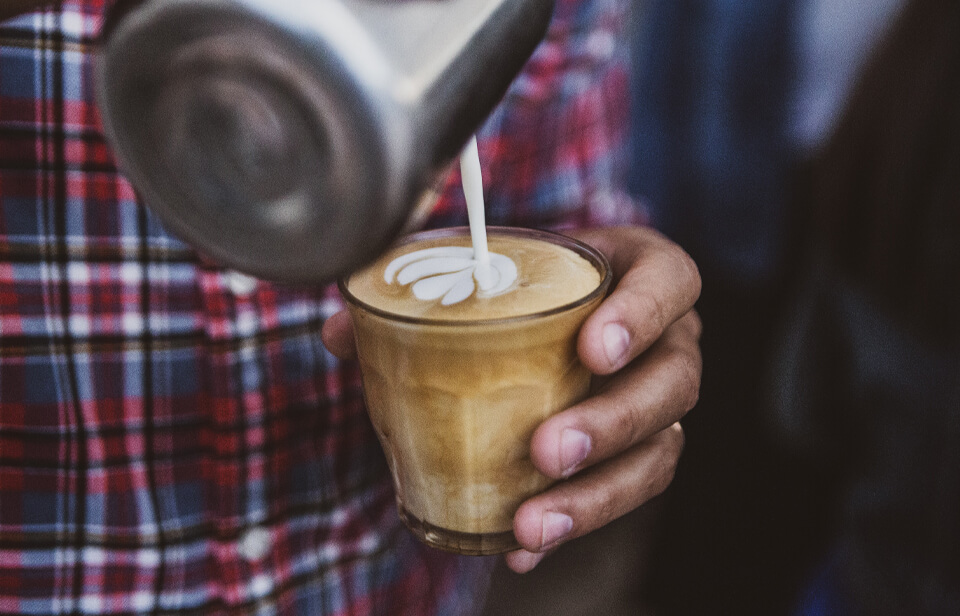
(448, 273)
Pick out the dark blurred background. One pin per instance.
(807, 154)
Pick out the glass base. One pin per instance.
(469, 544)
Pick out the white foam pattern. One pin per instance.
(449, 273)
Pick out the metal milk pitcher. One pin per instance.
(296, 139)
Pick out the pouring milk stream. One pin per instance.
(453, 273)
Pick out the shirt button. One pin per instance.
(241, 284)
(255, 544)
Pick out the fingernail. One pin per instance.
(616, 339)
(556, 526)
(574, 449)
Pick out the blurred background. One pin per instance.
(807, 154)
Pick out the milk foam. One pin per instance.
(453, 273)
(449, 272)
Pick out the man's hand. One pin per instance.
(618, 448)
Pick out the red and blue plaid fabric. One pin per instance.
(174, 438)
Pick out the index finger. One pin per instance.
(656, 283)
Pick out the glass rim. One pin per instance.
(596, 258)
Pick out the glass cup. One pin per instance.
(455, 404)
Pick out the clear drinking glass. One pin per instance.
(455, 404)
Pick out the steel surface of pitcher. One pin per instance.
(296, 139)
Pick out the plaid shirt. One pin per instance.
(173, 436)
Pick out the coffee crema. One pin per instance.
(547, 276)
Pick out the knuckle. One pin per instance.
(679, 439)
(671, 458)
(696, 324)
(663, 479)
(693, 399)
(688, 270)
(652, 317)
(632, 425)
(685, 372)
(690, 375)
(592, 507)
